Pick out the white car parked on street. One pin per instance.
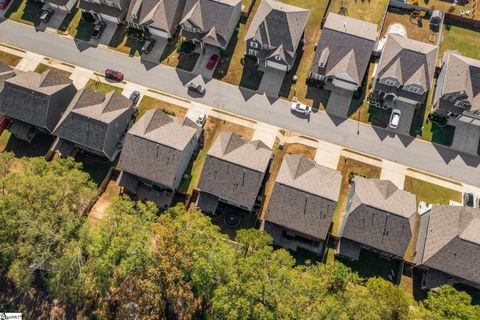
(300, 108)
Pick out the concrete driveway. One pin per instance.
(406, 118)
(57, 18)
(106, 36)
(271, 82)
(156, 53)
(201, 66)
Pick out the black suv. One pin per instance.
(148, 45)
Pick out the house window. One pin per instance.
(253, 44)
(252, 52)
(110, 3)
(278, 58)
(413, 89)
(391, 83)
(265, 46)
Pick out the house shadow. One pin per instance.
(319, 97)
(251, 76)
(336, 119)
(246, 93)
(289, 80)
(226, 56)
(184, 76)
(31, 12)
(446, 153)
(38, 147)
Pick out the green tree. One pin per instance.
(448, 303)
(391, 301)
(41, 208)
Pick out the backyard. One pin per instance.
(420, 32)
(148, 103)
(371, 11)
(448, 6)
(464, 39)
(350, 167)
(213, 126)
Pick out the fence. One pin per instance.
(454, 19)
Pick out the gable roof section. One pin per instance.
(380, 216)
(209, 14)
(154, 145)
(162, 14)
(462, 74)
(26, 96)
(452, 243)
(86, 120)
(6, 72)
(298, 198)
(409, 61)
(234, 168)
(278, 24)
(346, 44)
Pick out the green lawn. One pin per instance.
(431, 193)
(43, 67)
(24, 11)
(464, 40)
(102, 86)
(148, 103)
(10, 59)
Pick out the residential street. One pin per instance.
(358, 136)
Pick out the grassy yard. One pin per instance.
(24, 11)
(102, 86)
(371, 11)
(312, 34)
(347, 166)
(431, 193)
(213, 126)
(279, 154)
(44, 67)
(148, 103)
(10, 59)
(447, 6)
(466, 40)
(125, 44)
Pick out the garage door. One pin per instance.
(276, 65)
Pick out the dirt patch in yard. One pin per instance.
(416, 31)
(98, 210)
(10, 59)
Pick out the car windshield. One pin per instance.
(301, 106)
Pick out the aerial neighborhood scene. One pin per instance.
(240, 159)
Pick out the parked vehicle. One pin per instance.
(201, 119)
(148, 45)
(113, 75)
(478, 202)
(134, 97)
(46, 14)
(4, 4)
(98, 29)
(213, 61)
(468, 200)
(196, 87)
(300, 108)
(395, 119)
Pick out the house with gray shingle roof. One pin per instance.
(95, 122)
(63, 5)
(275, 34)
(302, 204)
(404, 75)
(108, 10)
(457, 99)
(35, 102)
(448, 246)
(157, 151)
(378, 217)
(160, 17)
(210, 22)
(234, 172)
(341, 59)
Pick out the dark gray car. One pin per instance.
(196, 87)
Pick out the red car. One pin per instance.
(212, 62)
(4, 4)
(113, 75)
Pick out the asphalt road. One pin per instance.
(358, 136)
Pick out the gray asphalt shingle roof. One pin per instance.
(452, 243)
(409, 61)
(380, 216)
(278, 24)
(6, 72)
(162, 14)
(345, 47)
(234, 168)
(87, 118)
(26, 96)
(304, 196)
(153, 146)
(212, 17)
